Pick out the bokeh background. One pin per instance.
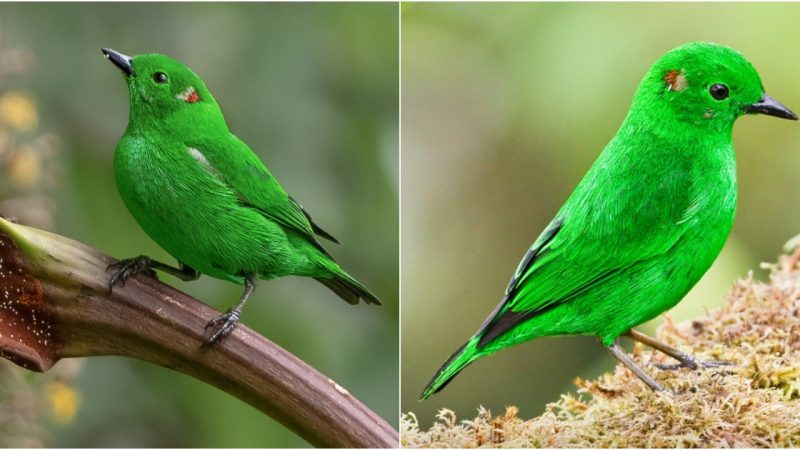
(313, 89)
(504, 108)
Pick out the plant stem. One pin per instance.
(55, 303)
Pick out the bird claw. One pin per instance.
(228, 322)
(127, 268)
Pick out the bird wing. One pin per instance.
(601, 231)
(232, 161)
(317, 230)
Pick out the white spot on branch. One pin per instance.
(340, 389)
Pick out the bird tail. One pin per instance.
(457, 362)
(348, 288)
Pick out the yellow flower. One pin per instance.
(3, 141)
(25, 168)
(18, 111)
(63, 401)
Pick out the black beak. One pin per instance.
(771, 107)
(120, 60)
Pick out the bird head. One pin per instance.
(161, 86)
(705, 85)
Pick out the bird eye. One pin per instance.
(160, 77)
(719, 91)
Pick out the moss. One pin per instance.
(753, 403)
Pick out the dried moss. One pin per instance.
(753, 403)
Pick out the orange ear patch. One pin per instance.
(676, 80)
(189, 95)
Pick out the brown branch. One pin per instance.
(55, 303)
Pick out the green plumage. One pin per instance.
(646, 221)
(202, 194)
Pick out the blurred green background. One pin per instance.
(313, 89)
(504, 108)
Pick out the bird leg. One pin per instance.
(229, 320)
(623, 357)
(129, 267)
(685, 360)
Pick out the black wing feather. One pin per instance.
(500, 321)
(317, 230)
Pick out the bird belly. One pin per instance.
(650, 287)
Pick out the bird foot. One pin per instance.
(689, 362)
(127, 268)
(225, 323)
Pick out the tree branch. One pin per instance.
(55, 303)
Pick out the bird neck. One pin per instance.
(664, 124)
(194, 119)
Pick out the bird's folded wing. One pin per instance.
(317, 230)
(581, 248)
(241, 169)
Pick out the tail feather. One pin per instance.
(457, 362)
(349, 289)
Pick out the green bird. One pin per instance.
(205, 197)
(646, 221)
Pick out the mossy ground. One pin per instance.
(755, 402)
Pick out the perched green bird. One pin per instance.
(646, 221)
(205, 197)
